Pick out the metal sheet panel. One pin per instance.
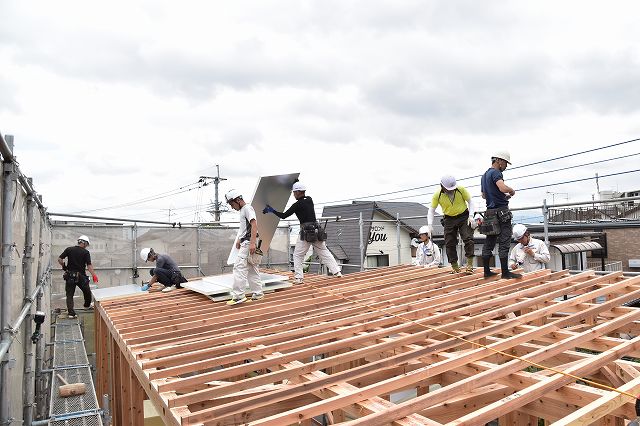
(222, 284)
(275, 191)
(119, 291)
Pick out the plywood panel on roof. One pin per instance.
(468, 348)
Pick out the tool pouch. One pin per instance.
(490, 225)
(322, 234)
(177, 278)
(504, 216)
(256, 257)
(309, 232)
(72, 277)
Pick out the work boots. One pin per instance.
(455, 268)
(469, 269)
(506, 273)
(488, 273)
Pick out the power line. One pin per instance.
(170, 193)
(478, 176)
(510, 179)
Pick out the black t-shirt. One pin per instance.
(303, 209)
(78, 258)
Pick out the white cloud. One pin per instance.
(122, 100)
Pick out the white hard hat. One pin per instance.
(144, 253)
(84, 238)
(423, 230)
(503, 155)
(518, 231)
(232, 195)
(448, 182)
(298, 187)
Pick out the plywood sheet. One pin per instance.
(275, 191)
(220, 284)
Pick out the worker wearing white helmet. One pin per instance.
(311, 233)
(458, 210)
(245, 271)
(166, 271)
(427, 253)
(497, 220)
(530, 253)
(78, 258)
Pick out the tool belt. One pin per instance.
(256, 257)
(446, 218)
(73, 277)
(312, 232)
(177, 278)
(492, 220)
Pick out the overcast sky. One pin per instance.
(114, 102)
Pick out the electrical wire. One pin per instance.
(159, 196)
(357, 207)
(478, 176)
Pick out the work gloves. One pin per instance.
(268, 209)
(472, 223)
(95, 278)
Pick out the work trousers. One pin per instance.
(70, 289)
(503, 239)
(245, 273)
(454, 225)
(168, 277)
(320, 247)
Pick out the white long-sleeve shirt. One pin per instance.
(427, 254)
(530, 263)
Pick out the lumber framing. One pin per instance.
(401, 345)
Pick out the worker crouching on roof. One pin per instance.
(530, 254)
(166, 271)
(78, 257)
(245, 268)
(458, 219)
(311, 234)
(427, 253)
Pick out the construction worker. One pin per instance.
(244, 271)
(458, 210)
(497, 195)
(78, 257)
(166, 271)
(311, 234)
(530, 254)
(427, 253)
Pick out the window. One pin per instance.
(378, 260)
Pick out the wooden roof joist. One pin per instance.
(400, 345)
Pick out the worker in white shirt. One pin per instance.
(427, 253)
(530, 254)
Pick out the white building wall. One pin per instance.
(382, 240)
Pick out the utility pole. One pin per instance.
(598, 186)
(216, 203)
(216, 181)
